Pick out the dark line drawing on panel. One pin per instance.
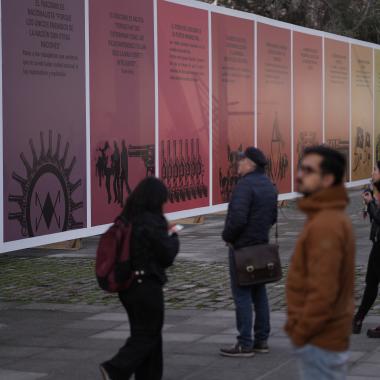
(112, 167)
(377, 148)
(228, 180)
(362, 154)
(305, 139)
(183, 173)
(342, 146)
(36, 207)
(278, 161)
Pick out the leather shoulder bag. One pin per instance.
(258, 264)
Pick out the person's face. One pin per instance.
(310, 179)
(376, 174)
(245, 166)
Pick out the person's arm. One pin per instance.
(165, 246)
(374, 211)
(238, 211)
(323, 250)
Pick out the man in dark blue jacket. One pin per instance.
(251, 213)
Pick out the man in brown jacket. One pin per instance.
(320, 284)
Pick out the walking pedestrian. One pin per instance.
(320, 284)
(251, 213)
(153, 249)
(373, 268)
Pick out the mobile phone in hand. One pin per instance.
(175, 229)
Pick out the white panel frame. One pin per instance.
(88, 114)
(1, 134)
(90, 231)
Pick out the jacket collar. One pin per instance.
(334, 197)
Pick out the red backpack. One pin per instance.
(113, 258)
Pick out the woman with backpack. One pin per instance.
(153, 248)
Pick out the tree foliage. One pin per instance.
(353, 18)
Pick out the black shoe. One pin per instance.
(109, 372)
(261, 347)
(357, 325)
(374, 333)
(237, 351)
(104, 372)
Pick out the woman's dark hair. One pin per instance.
(149, 195)
(378, 164)
(333, 162)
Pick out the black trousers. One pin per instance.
(372, 281)
(142, 353)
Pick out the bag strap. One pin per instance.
(276, 233)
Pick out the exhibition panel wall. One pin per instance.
(97, 95)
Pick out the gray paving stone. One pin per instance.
(111, 334)
(66, 354)
(356, 355)
(122, 317)
(374, 358)
(366, 369)
(220, 339)
(7, 351)
(18, 375)
(92, 324)
(181, 337)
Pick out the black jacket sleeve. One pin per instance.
(165, 247)
(238, 211)
(374, 212)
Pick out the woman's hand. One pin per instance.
(367, 197)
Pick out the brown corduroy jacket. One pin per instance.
(320, 283)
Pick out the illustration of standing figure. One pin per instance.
(115, 164)
(124, 171)
(278, 160)
(101, 162)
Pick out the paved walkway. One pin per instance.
(56, 324)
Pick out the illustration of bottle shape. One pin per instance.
(176, 173)
(193, 168)
(187, 171)
(275, 156)
(169, 171)
(163, 162)
(175, 161)
(181, 173)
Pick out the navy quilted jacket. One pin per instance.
(252, 211)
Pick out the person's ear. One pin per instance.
(328, 180)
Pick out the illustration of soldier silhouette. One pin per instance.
(114, 167)
(101, 163)
(228, 181)
(124, 171)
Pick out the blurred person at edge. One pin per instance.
(153, 249)
(320, 283)
(251, 213)
(373, 269)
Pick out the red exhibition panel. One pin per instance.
(44, 117)
(233, 98)
(122, 102)
(361, 112)
(337, 97)
(183, 104)
(274, 102)
(307, 71)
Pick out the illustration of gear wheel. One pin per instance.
(51, 164)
